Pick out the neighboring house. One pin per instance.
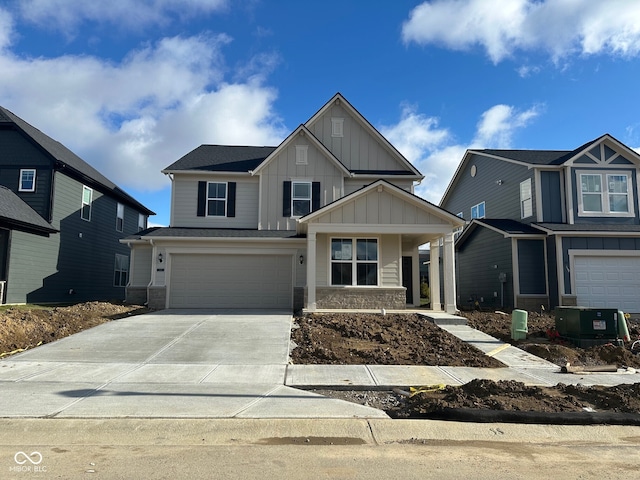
(548, 227)
(60, 222)
(327, 219)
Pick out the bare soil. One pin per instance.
(411, 340)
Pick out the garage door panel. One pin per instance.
(230, 281)
(608, 282)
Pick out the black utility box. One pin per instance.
(586, 327)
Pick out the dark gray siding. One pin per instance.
(532, 276)
(592, 243)
(81, 258)
(18, 152)
(550, 186)
(480, 260)
(501, 201)
(552, 272)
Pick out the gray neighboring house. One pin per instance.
(325, 220)
(552, 228)
(60, 222)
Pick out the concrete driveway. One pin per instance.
(167, 364)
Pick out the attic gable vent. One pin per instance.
(301, 155)
(337, 125)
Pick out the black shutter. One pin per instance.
(315, 196)
(286, 199)
(202, 199)
(231, 199)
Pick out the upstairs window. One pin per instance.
(605, 193)
(87, 197)
(359, 269)
(27, 180)
(477, 211)
(300, 198)
(121, 271)
(142, 222)
(216, 199)
(526, 199)
(120, 217)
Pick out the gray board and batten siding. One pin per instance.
(486, 254)
(79, 259)
(551, 192)
(497, 183)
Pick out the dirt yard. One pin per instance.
(390, 340)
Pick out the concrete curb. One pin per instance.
(135, 432)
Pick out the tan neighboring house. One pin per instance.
(325, 220)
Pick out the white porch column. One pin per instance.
(311, 271)
(434, 275)
(449, 266)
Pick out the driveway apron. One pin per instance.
(167, 364)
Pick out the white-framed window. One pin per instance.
(300, 198)
(121, 271)
(27, 180)
(458, 230)
(120, 217)
(302, 155)
(354, 261)
(477, 211)
(142, 221)
(604, 193)
(337, 127)
(526, 199)
(216, 199)
(87, 198)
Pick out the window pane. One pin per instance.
(481, 210)
(341, 274)
(301, 207)
(26, 181)
(86, 212)
(216, 208)
(302, 190)
(86, 195)
(367, 274)
(617, 183)
(217, 190)
(367, 249)
(618, 203)
(591, 183)
(591, 202)
(341, 249)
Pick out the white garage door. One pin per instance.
(230, 281)
(608, 282)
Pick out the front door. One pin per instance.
(407, 277)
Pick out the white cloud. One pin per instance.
(132, 118)
(435, 151)
(6, 29)
(502, 27)
(66, 15)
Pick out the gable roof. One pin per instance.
(303, 130)
(356, 115)
(504, 226)
(221, 158)
(15, 213)
(536, 158)
(67, 161)
(412, 198)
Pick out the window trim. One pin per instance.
(604, 194)
(293, 197)
(226, 199)
(529, 199)
(354, 261)
(477, 205)
(89, 204)
(121, 271)
(142, 221)
(119, 217)
(33, 186)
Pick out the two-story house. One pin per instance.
(60, 222)
(548, 227)
(327, 219)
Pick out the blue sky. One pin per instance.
(132, 85)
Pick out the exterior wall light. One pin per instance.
(301, 259)
(160, 258)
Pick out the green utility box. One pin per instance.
(586, 327)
